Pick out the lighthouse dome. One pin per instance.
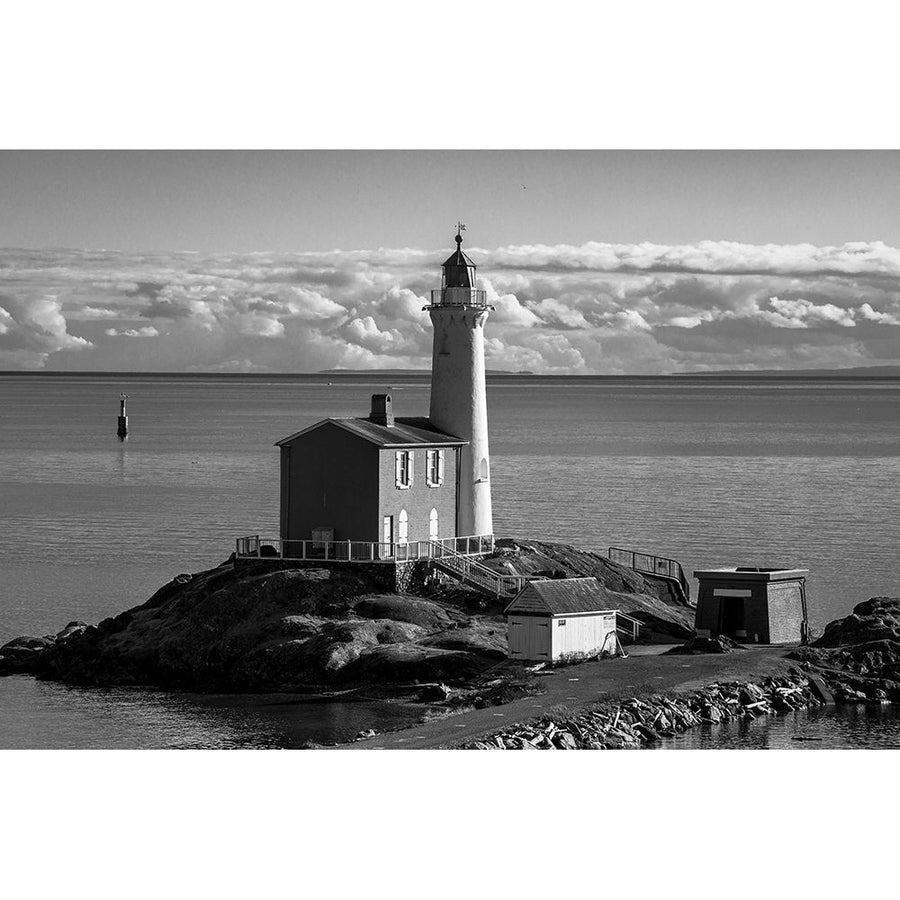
(459, 270)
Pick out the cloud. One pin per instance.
(803, 313)
(31, 330)
(552, 312)
(865, 311)
(593, 308)
(143, 332)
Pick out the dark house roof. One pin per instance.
(562, 596)
(405, 432)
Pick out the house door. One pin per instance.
(387, 537)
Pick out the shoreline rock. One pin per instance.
(640, 722)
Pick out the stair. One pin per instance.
(472, 573)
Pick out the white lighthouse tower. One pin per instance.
(458, 400)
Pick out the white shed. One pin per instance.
(552, 618)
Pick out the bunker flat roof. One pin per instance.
(749, 573)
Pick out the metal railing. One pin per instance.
(650, 564)
(468, 570)
(629, 626)
(459, 296)
(254, 546)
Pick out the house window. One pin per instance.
(433, 525)
(403, 469)
(434, 468)
(403, 528)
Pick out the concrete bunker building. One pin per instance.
(753, 605)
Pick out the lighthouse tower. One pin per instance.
(458, 400)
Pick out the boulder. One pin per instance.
(435, 692)
(647, 734)
(564, 741)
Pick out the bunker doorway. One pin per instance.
(732, 618)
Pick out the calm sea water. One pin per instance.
(712, 472)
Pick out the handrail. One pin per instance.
(458, 296)
(468, 568)
(462, 563)
(254, 546)
(635, 625)
(651, 564)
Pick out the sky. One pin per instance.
(597, 262)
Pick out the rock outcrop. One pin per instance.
(252, 629)
(866, 644)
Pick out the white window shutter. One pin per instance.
(440, 466)
(397, 469)
(429, 463)
(410, 456)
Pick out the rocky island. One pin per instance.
(280, 626)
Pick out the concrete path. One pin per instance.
(645, 671)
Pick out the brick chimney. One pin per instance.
(382, 411)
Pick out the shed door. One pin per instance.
(529, 637)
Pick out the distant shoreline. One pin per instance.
(881, 373)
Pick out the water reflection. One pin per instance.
(823, 728)
(41, 715)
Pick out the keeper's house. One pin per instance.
(753, 605)
(379, 479)
(553, 618)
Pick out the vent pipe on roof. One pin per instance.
(382, 410)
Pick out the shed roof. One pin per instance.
(405, 432)
(562, 596)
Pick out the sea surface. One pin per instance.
(711, 471)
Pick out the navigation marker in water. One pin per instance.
(122, 431)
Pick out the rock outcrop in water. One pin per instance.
(861, 652)
(252, 628)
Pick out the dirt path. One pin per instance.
(644, 672)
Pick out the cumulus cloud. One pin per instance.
(865, 311)
(144, 331)
(32, 329)
(802, 313)
(604, 308)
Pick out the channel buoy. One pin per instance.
(122, 430)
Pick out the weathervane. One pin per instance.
(460, 227)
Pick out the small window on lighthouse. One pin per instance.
(483, 469)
